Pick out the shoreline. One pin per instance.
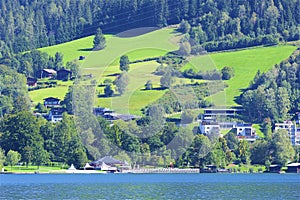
(138, 171)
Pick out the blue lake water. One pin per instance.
(150, 186)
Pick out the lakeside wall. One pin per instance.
(162, 171)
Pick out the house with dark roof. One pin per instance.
(56, 114)
(111, 115)
(64, 74)
(31, 82)
(275, 168)
(46, 73)
(293, 168)
(51, 102)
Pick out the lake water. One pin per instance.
(150, 186)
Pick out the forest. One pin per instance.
(26, 25)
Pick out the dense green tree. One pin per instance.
(108, 91)
(260, 152)
(124, 63)
(267, 128)
(199, 150)
(28, 155)
(41, 156)
(21, 130)
(122, 82)
(41, 108)
(154, 121)
(2, 158)
(217, 156)
(187, 117)
(185, 49)
(13, 96)
(231, 140)
(13, 157)
(68, 145)
(74, 66)
(243, 152)
(148, 85)
(184, 26)
(283, 151)
(99, 40)
(166, 80)
(227, 73)
(58, 60)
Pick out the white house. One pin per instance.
(245, 131)
(56, 114)
(292, 129)
(206, 127)
(286, 125)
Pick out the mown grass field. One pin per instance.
(59, 91)
(245, 63)
(31, 169)
(105, 64)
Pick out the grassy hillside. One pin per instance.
(58, 92)
(105, 64)
(135, 97)
(245, 63)
(152, 44)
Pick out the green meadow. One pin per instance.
(104, 64)
(245, 63)
(59, 91)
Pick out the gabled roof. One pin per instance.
(243, 125)
(31, 79)
(51, 99)
(109, 161)
(57, 111)
(294, 165)
(50, 71)
(64, 70)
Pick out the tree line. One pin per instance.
(32, 62)
(273, 95)
(40, 142)
(33, 140)
(28, 25)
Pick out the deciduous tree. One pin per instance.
(13, 157)
(99, 40)
(122, 82)
(124, 63)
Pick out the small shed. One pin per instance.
(64, 74)
(293, 168)
(275, 168)
(31, 82)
